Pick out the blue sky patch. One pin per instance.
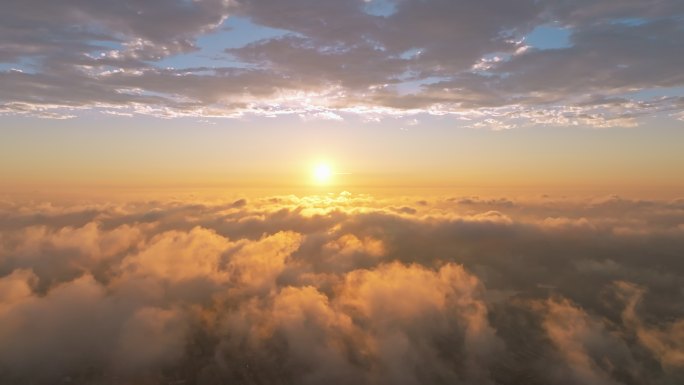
(549, 37)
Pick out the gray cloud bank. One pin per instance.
(343, 289)
(419, 56)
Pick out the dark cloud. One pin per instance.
(606, 57)
(343, 289)
(71, 27)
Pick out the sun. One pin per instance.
(322, 173)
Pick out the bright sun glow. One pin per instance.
(322, 173)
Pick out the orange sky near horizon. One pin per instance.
(642, 161)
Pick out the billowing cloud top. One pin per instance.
(492, 63)
(343, 289)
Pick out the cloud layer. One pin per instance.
(407, 57)
(343, 289)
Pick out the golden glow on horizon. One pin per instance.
(322, 173)
(285, 160)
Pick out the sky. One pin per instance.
(534, 94)
(322, 192)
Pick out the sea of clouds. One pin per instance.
(343, 289)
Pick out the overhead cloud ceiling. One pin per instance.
(622, 59)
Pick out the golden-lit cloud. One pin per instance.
(370, 290)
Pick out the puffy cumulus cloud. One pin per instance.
(73, 250)
(343, 288)
(362, 333)
(257, 265)
(469, 59)
(442, 305)
(293, 335)
(178, 255)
